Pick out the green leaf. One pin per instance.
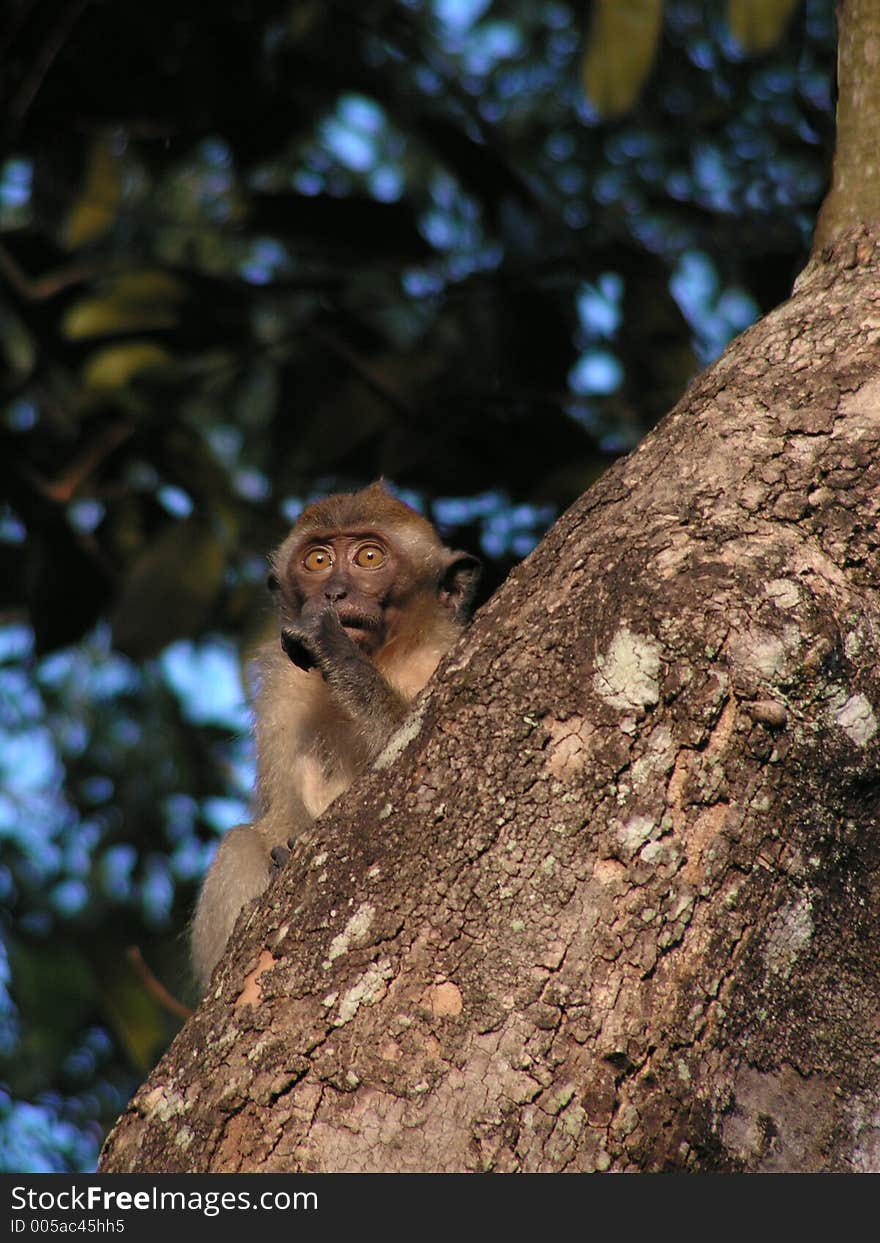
(135, 1016)
(147, 287)
(54, 989)
(620, 51)
(170, 590)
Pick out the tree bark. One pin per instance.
(611, 901)
(854, 197)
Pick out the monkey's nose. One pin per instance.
(335, 593)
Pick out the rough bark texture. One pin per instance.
(616, 903)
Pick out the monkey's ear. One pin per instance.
(272, 581)
(459, 582)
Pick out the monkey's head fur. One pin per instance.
(379, 566)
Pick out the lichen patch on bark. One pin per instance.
(355, 932)
(400, 741)
(857, 720)
(790, 933)
(364, 992)
(627, 675)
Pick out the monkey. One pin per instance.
(369, 600)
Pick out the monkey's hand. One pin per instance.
(297, 646)
(318, 640)
(279, 856)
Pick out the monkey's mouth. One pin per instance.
(355, 623)
(364, 630)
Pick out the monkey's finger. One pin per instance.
(313, 610)
(279, 855)
(296, 650)
(329, 619)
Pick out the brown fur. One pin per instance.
(317, 727)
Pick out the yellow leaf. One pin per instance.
(95, 210)
(757, 25)
(114, 366)
(132, 302)
(104, 317)
(621, 47)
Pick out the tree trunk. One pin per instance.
(854, 197)
(615, 903)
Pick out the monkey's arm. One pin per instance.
(356, 685)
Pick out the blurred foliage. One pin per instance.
(253, 252)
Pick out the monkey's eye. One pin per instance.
(318, 559)
(369, 556)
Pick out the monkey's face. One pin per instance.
(361, 576)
